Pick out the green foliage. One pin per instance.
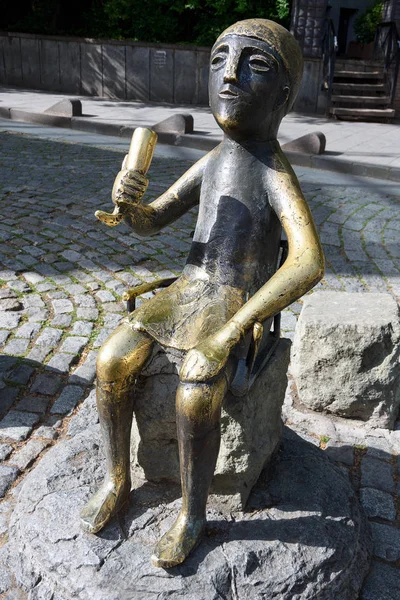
(181, 21)
(365, 24)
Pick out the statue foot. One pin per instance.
(103, 505)
(178, 542)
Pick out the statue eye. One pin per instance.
(218, 61)
(259, 64)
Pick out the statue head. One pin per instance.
(255, 74)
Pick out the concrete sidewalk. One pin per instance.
(363, 149)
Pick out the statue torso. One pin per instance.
(236, 241)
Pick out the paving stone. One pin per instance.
(4, 334)
(105, 296)
(7, 477)
(62, 306)
(382, 583)
(8, 275)
(19, 286)
(46, 432)
(386, 541)
(74, 289)
(33, 300)
(9, 320)
(8, 396)
(49, 337)
(32, 277)
(62, 320)
(38, 353)
(86, 372)
(27, 330)
(378, 504)
(61, 362)
(36, 404)
(67, 400)
(45, 287)
(343, 453)
(57, 295)
(114, 307)
(16, 347)
(71, 255)
(85, 301)
(82, 328)
(21, 374)
(74, 345)
(17, 425)
(101, 338)
(37, 315)
(46, 384)
(112, 321)
(27, 454)
(378, 447)
(378, 474)
(10, 304)
(88, 314)
(5, 451)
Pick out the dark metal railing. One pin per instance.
(387, 48)
(329, 49)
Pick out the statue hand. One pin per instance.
(129, 188)
(209, 358)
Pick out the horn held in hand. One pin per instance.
(139, 159)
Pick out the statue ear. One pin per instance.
(282, 97)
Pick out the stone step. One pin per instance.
(361, 99)
(363, 113)
(353, 87)
(359, 74)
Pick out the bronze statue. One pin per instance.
(230, 287)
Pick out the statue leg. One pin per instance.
(198, 415)
(119, 362)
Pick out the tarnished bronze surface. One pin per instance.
(221, 308)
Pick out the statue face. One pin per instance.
(247, 86)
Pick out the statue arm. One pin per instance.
(147, 219)
(303, 268)
(304, 265)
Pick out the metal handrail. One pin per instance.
(387, 48)
(329, 49)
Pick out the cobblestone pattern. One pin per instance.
(62, 274)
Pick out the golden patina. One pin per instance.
(220, 310)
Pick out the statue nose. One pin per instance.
(231, 70)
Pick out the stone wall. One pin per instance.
(123, 70)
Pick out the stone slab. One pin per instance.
(185, 76)
(91, 70)
(30, 60)
(50, 65)
(161, 75)
(311, 143)
(137, 73)
(293, 544)
(250, 425)
(70, 63)
(345, 358)
(114, 71)
(66, 108)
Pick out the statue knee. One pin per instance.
(199, 402)
(110, 365)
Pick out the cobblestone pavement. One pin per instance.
(62, 274)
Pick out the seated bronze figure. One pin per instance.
(231, 286)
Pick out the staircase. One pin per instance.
(360, 91)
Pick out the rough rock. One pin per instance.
(303, 537)
(66, 108)
(250, 426)
(345, 358)
(311, 143)
(175, 124)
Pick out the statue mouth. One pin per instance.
(228, 91)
